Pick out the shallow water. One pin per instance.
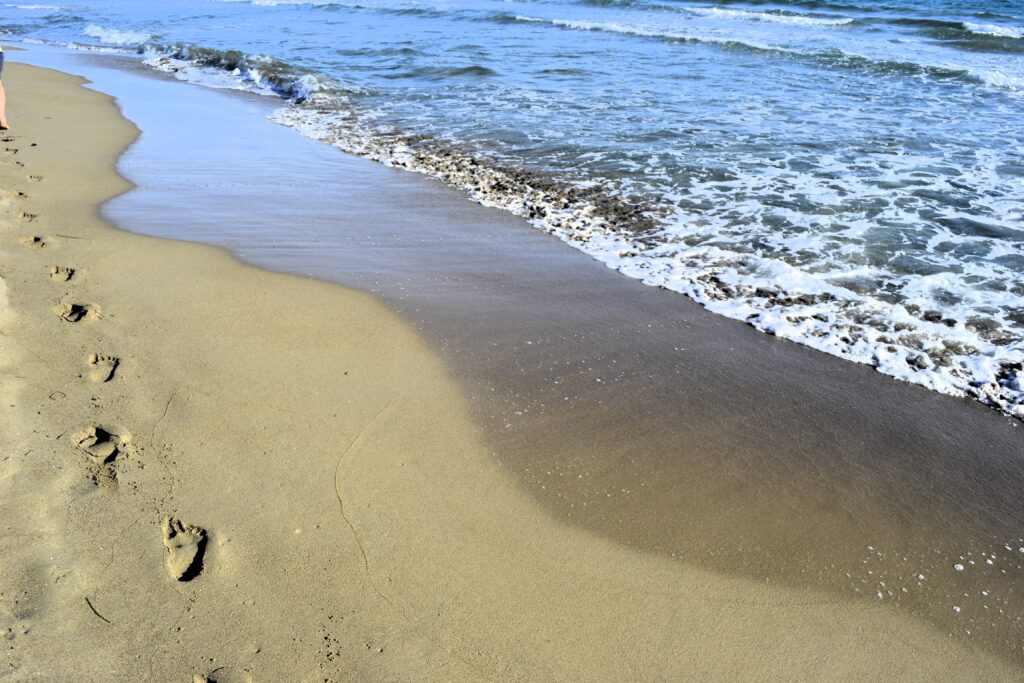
(849, 175)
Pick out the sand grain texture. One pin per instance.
(304, 445)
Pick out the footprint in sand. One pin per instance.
(103, 367)
(184, 544)
(25, 217)
(35, 178)
(61, 273)
(9, 197)
(12, 632)
(34, 241)
(72, 313)
(103, 445)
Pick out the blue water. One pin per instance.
(848, 175)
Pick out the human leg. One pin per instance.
(3, 106)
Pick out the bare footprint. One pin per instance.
(25, 217)
(102, 445)
(103, 367)
(12, 632)
(35, 178)
(184, 544)
(104, 448)
(61, 273)
(34, 241)
(9, 197)
(72, 313)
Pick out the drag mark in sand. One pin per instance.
(341, 500)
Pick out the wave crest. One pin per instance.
(113, 36)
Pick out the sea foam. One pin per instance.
(995, 30)
(112, 36)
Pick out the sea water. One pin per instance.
(847, 175)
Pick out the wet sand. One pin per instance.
(359, 525)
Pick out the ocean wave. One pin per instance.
(234, 69)
(113, 36)
(275, 3)
(828, 5)
(998, 79)
(924, 22)
(834, 57)
(398, 7)
(437, 73)
(966, 35)
(995, 30)
(770, 17)
(656, 32)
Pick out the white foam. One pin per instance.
(769, 17)
(253, 78)
(652, 31)
(113, 36)
(1000, 30)
(999, 79)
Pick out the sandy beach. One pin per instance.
(210, 470)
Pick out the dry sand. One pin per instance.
(211, 470)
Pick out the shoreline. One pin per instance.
(356, 525)
(633, 234)
(628, 411)
(911, 342)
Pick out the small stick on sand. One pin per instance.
(95, 612)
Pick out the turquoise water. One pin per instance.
(848, 175)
